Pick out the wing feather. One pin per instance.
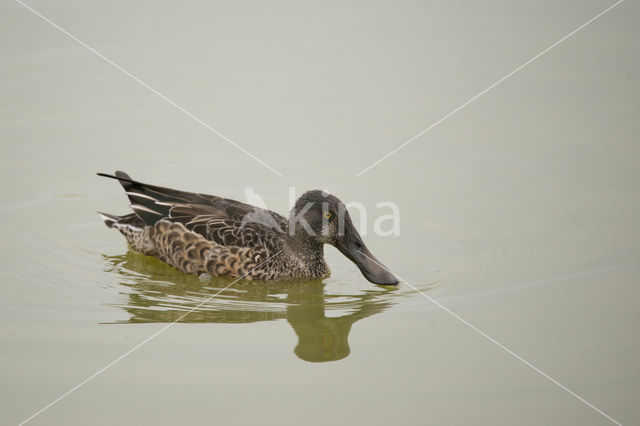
(155, 202)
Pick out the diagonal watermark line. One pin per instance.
(484, 295)
(489, 88)
(145, 85)
(500, 345)
(136, 347)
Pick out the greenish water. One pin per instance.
(520, 214)
(322, 321)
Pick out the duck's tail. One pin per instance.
(134, 230)
(130, 219)
(109, 219)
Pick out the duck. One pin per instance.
(206, 234)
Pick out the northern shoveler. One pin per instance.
(199, 233)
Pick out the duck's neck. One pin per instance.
(307, 254)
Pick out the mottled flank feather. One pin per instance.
(193, 254)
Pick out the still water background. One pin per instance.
(521, 213)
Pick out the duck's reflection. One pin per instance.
(158, 293)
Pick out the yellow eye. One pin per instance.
(327, 215)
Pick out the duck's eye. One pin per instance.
(327, 215)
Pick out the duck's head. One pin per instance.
(323, 219)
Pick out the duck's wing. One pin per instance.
(225, 221)
(253, 230)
